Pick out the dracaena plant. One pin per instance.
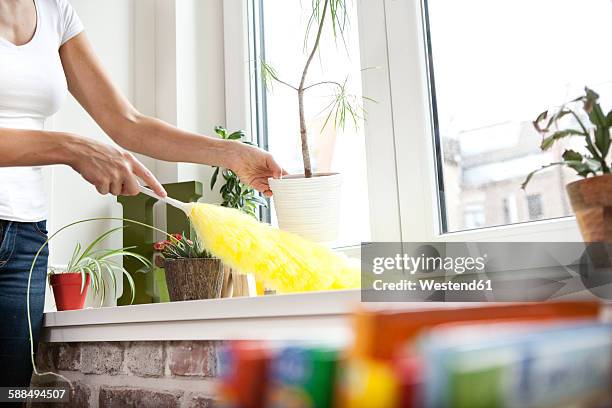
(343, 107)
(595, 132)
(97, 263)
(235, 194)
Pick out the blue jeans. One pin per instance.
(19, 242)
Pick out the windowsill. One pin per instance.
(547, 230)
(303, 316)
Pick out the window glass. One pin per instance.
(496, 65)
(283, 26)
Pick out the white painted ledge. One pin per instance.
(304, 316)
(324, 316)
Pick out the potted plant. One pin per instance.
(309, 204)
(88, 268)
(235, 194)
(591, 197)
(240, 196)
(191, 272)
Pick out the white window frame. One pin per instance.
(412, 127)
(401, 161)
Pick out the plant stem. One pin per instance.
(300, 91)
(304, 136)
(323, 83)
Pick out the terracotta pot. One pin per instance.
(193, 279)
(591, 200)
(67, 290)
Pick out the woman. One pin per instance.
(43, 54)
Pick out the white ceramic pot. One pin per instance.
(309, 207)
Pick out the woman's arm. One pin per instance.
(94, 90)
(109, 169)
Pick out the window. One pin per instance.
(493, 67)
(534, 206)
(510, 210)
(278, 37)
(474, 216)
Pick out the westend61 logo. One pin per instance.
(424, 263)
(485, 271)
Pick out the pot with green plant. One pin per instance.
(242, 197)
(236, 194)
(591, 197)
(91, 267)
(309, 204)
(191, 272)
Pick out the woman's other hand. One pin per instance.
(110, 169)
(254, 166)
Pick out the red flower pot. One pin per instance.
(67, 290)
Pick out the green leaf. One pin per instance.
(590, 99)
(82, 271)
(593, 165)
(221, 131)
(572, 155)
(131, 283)
(111, 273)
(72, 264)
(536, 123)
(240, 134)
(549, 141)
(98, 241)
(213, 178)
(268, 74)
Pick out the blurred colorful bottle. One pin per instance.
(409, 372)
(304, 377)
(244, 375)
(368, 383)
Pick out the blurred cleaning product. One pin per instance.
(304, 376)
(384, 339)
(368, 383)
(380, 335)
(281, 260)
(542, 367)
(244, 375)
(510, 360)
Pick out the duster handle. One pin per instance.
(186, 208)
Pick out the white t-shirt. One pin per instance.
(32, 88)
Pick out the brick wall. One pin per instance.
(133, 374)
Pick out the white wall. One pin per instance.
(190, 85)
(110, 28)
(167, 57)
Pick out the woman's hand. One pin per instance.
(109, 169)
(254, 166)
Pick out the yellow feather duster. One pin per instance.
(281, 260)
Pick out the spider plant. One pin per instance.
(97, 263)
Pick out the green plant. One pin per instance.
(234, 193)
(97, 263)
(178, 246)
(343, 106)
(596, 134)
(30, 272)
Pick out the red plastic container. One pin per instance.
(67, 290)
